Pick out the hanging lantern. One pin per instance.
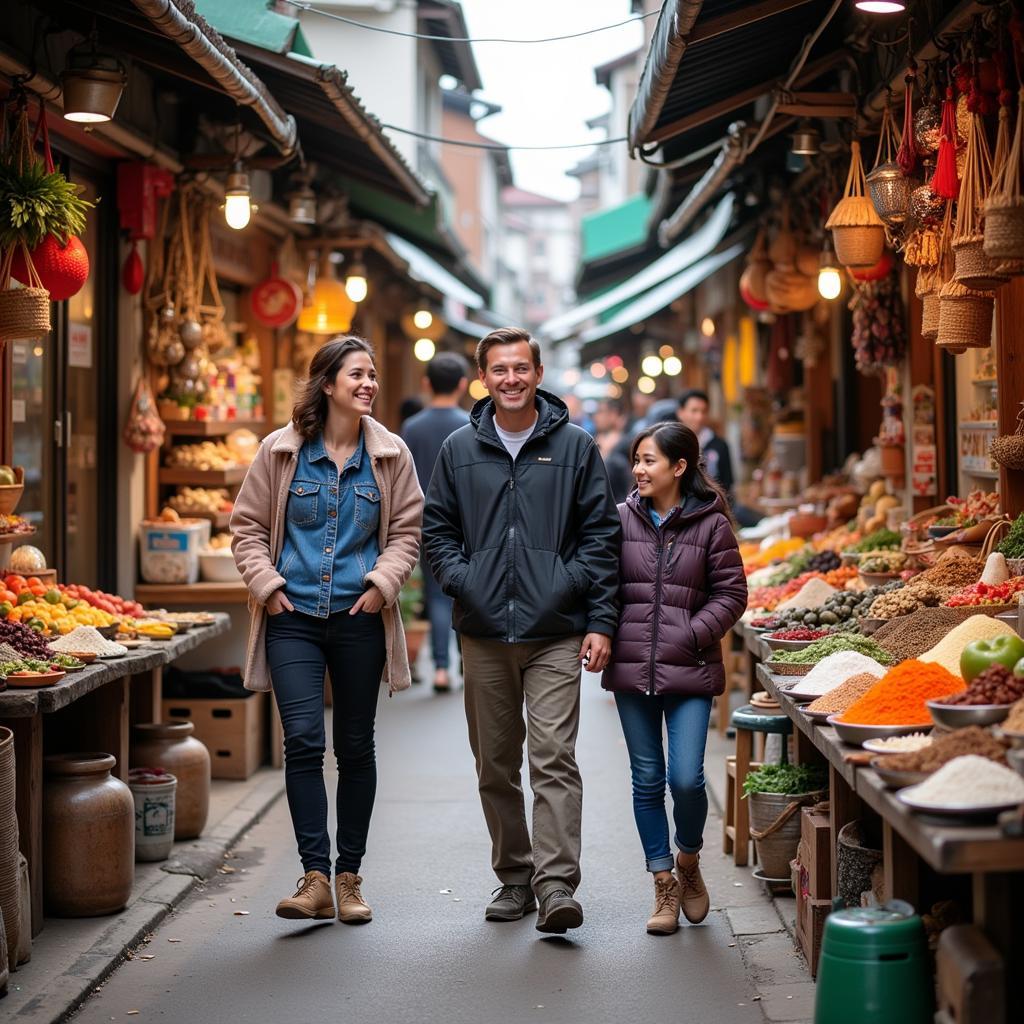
(888, 186)
(423, 323)
(926, 207)
(93, 82)
(928, 128)
(330, 310)
(806, 140)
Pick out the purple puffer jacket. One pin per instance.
(681, 589)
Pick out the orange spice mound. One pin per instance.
(898, 698)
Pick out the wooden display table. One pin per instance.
(92, 709)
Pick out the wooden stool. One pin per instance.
(736, 825)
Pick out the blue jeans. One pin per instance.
(351, 650)
(686, 719)
(439, 611)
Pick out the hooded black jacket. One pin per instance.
(529, 550)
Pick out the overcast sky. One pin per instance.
(547, 90)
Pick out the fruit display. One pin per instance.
(872, 511)
(823, 561)
(204, 456)
(882, 561)
(154, 630)
(979, 655)
(110, 603)
(879, 540)
(24, 640)
(193, 501)
(8, 478)
(12, 524)
(984, 594)
(35, 666)
(54, 613)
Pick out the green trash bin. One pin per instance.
(874, 967)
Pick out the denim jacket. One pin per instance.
(331, 522)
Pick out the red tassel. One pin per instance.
(946, 182)
(132, 273)
(907, 155)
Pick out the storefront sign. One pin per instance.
(80, 345)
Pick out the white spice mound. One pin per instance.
(834, 670)
(978, 627)
(903, 744)
(86, 640)
(970, 781)
(813, 594)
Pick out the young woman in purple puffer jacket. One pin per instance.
(681, 589)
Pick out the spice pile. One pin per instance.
(953, 573)
(1014, 721)
(839, 698)
(880, 540)
(971, 740)
(905, 601)
(978, 627)
(996, 685)
(898, 698)
(813, 594)
(904, 744)
(985, 594)
(910, 636)
(1012, 545)
(87, 640)
(971, 781)
(821, 649)
(834, 670)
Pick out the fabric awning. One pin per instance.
(667, 292)
(427, 270)
(696, 247)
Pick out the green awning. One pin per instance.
(616, 230)
(252, 21)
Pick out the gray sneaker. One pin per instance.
(559, 912)
(510, 903)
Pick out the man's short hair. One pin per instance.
(693, 393)
(615, 405)
(445, 371)
(506, 336)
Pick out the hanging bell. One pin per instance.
(890, 190)
(806, 140)
(191, 332)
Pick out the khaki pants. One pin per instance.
(499, 677)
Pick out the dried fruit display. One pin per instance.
(879, 331)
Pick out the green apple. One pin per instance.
(1000, 650)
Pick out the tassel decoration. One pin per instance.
(946, 182)
(906, 157)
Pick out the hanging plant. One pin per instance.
(857, 231)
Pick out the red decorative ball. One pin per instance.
(755, 304)
(63, 269)
(878, 271)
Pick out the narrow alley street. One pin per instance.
(429, 955)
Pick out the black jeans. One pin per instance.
(351, 649)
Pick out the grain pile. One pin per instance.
(903, 744)
(910, 636)
(971, 740)
(813, 594)
(844, 695)
(834, 670)
(1015, 719)
(8, 653)
(971, 781)
(978, 627)
(87, 640)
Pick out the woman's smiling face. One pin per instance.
(355, 387)
(655, 476)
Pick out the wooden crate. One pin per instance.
(816, 850)
(231, 728)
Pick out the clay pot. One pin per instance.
(88, 836)
(171, 746)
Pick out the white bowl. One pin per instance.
(217, 568)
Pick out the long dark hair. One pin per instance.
(676, 442)
(309, 414)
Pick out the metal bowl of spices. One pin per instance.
(788, 645)
(855, 735)
(956, 716)
(894, 779)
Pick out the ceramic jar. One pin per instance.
(171, 746)
(88, 836)
(153, 790)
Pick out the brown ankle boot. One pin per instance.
(693, 893)
(665, 919)
(311, 900)
(352, 908)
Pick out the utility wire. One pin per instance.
(465, 39)
(497, 145)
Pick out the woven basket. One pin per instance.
(784, 668)
(971, 267)
(930, 316)
(24, 312)
(1004, 229)
(857, 231)
(1008, 449)
(859, 246)
(10, 901)
(965, 318)
(1010, 268)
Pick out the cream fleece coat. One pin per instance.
(258, 523)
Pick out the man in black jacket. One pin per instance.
(521, 530)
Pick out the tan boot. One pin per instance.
(693, 893)
(352, 908)
(311, 900)
(665, 919)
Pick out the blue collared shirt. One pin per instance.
(330, 538)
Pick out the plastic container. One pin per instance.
(218, 567)
(153, 790)
(169, 552)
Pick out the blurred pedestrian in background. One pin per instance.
(693, 413)
(611, 422)
(424, 433)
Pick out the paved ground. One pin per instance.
(428, 955)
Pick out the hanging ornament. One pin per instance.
(277, 301)
(857, 231)
(926, 206)
(946, 181)
(906, 157)
(928, 128)
(63, 269)
(191, 333)
(888, 186)
(133, 273)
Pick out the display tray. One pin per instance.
(85, 656)
(33, 680)
(781, 668)
(876, 748)
(969, 815)
(10, 538)
(959, 716)
(799, 697)
(202, 477)
(896, 779)
(869, 626)
(817, 716)
(785, 645)
(855, 735)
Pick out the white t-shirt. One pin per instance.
(514, 441)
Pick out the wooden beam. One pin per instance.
(820, 104)
(747, 15)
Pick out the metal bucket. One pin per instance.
(775, 828)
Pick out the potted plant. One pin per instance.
(410, 602)
(776, 793)
(41, 213)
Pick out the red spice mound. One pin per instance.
(898, 698)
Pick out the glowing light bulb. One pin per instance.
(880, 6)
(707, 327)
(422, 319)
(620, 375)
(652, 367)
(356, 287)
(237, 200)
(478, 390)
(598, 370)
(830, 283)
(645, 385)
(424, 350)
(673, 366)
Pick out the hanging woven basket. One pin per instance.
(965, 317)
(24, 312)
(1008, 449)
(858, 233)
(930, 316)
(1004, 207)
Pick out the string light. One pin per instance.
(620, 375)
(356, 287)
(598, 370)
(673, 366)
(645, 385)
(424, 350)
(707, 327)
(237, 199)
(666, 351)
(422, 319)
(651, 366)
